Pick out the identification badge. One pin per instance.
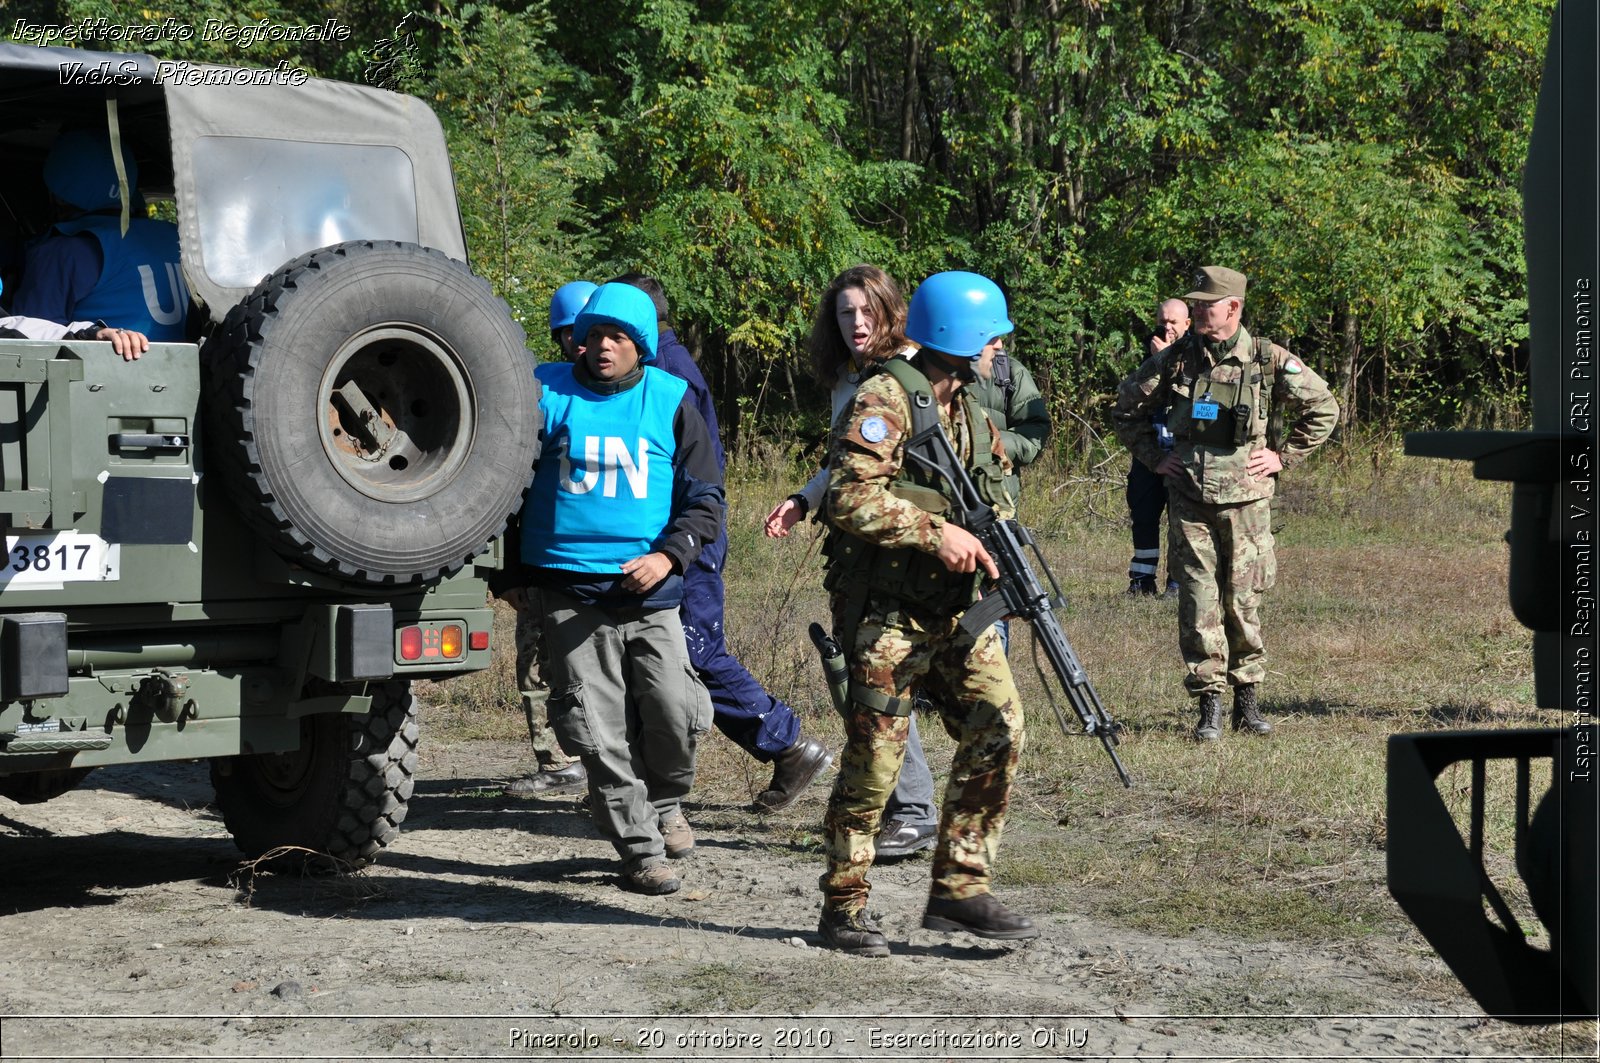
(1203, 411)
(873, 429)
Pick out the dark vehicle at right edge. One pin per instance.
(1437, 875)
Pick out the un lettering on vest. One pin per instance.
(153, 302)
(617, 459)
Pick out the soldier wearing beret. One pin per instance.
(1242, 409)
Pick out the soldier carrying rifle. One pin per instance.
(901, 574)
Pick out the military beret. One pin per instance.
(1216, 282)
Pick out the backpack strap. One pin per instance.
(925, 415)
(924, 411)
(1001, 374)
(1269, 384)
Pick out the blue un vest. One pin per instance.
(141, 285)
(602, 493)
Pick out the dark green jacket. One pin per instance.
(1018, 412)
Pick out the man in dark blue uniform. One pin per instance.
(1147, 492)
(761, 724)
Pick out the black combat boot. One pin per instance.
(981, 915)
(853, 933)
(1246, 714)
(1209, 729)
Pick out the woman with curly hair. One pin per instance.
(860, 322)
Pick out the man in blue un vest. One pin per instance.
(90, 266)
(625, 495)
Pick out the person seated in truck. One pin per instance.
(90, 266)
(127, 343)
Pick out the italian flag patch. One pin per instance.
(1292, 366)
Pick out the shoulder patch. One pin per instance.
(1292, 365)
(873, 429)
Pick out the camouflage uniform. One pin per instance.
(896, 641)
(1219, 516)
(530, 682)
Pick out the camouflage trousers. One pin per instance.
(1222, 558)
(970, 683)
(531, 665)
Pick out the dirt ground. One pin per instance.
(493, 928)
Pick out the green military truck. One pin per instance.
(244, 549)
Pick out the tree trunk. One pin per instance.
(1058, 149)
(1350, 350)
(722, 355)
(908, 96)
(938, 147)
(1018, 65)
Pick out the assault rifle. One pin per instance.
(1018, 591)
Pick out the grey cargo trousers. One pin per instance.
(625, 700)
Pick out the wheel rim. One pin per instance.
(397, 413)
(284, 777)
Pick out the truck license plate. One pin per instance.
(65, 557)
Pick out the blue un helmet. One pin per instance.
(81, 171)
(567, 301)
(957, 313)
(626, 307)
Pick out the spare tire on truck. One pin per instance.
(375, 403)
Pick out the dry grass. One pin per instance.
(484, 705)
(1390, 615)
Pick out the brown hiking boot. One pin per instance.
(677, 836)
(982, 915)
(1209, 729)
(654, 878)
(853, 933)
(549, 782)
(792, 771)
(1246, 713)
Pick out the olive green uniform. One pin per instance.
(1219, 516)
(896, 610)
(531, 683)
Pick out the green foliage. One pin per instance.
(737, 200)
(1359, 159)
(521, 151)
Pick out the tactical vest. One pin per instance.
(862, 569)
(1225, 413)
